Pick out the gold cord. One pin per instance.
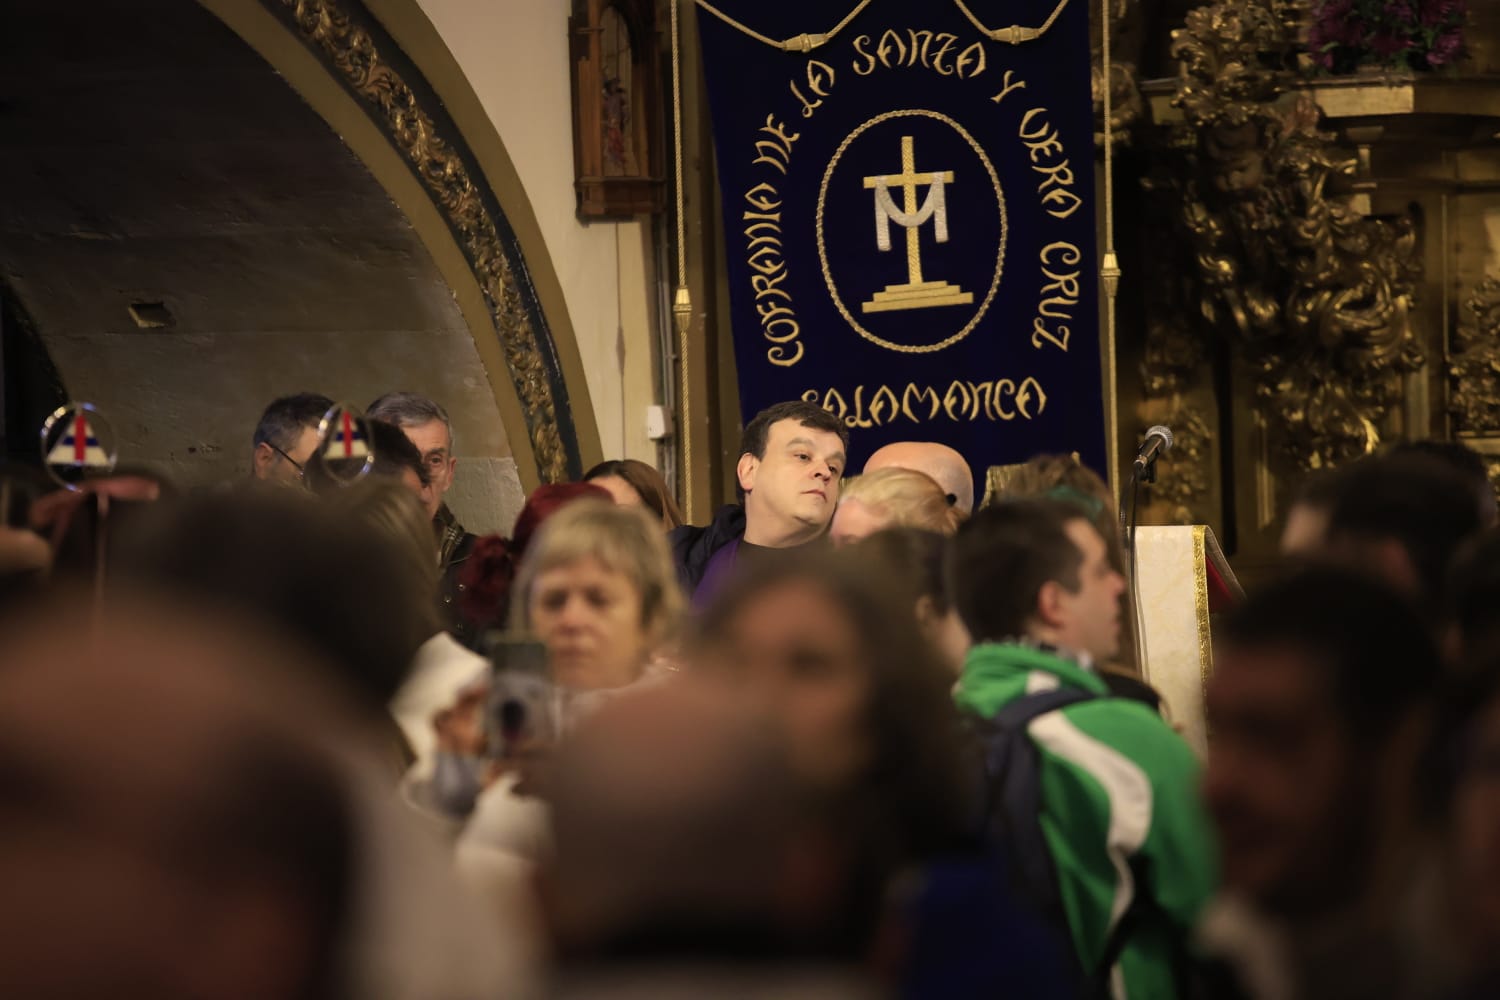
(682, 303)
(1109, 267)
(1015, 34)
(799, 43)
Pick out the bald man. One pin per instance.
(946, 466)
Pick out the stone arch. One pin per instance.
(381, 77)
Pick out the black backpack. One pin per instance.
(1011, 829)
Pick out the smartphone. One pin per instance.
(521, 711)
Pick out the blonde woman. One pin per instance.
(599, 590)
(892, 498)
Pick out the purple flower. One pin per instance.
(1387, 43)
(1436, 13)
(1446, 48)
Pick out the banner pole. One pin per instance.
(682, 302)
(1109, 269)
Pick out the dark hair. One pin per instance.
(486, 577)
(287, 561)
(1473, 598)
(911, 798)
(284, 419)
(647, 483)
(278, 814)
(909, 560)
(1415, 500)
(1373, 648)
(806, 414)
(1001, 558)
(395, 452)
(1463, 460)
(1318, 489)
(1065, 478)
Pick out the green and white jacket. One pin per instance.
(1118, 787)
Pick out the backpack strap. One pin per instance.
(1020, 713)
(1012, 798)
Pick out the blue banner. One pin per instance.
(909, 220)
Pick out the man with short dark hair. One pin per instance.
(1466, 462)
(1117, 789)
(1321, 685)
(1306, 528)
(1401, 518)
(792, 458)
(286, 436)
(427, 426)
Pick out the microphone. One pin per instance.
(1158, 442)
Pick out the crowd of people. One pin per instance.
(851, 738)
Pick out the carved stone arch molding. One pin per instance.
(380, 75)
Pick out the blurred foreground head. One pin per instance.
(911, 563)
(1400, 518)
(316, 573)
(836, 656)
(1465, 461)
(1473, 844)
(1321, 690)
(682, 832)
(190, 812)
(174, 825)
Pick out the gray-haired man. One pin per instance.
(427, 425)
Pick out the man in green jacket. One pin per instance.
(1119, 789)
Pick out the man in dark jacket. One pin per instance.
(427, 426)
(791, 460)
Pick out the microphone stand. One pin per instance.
(1140, 472)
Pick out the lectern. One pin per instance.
(1182, 579)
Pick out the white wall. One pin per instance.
(515, 56)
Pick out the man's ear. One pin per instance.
(746, 469)
(1050, 608)
(262, 458)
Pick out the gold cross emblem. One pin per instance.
(916, 293)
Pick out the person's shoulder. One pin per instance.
(727, 524)
(1137, 732)
(464, 547)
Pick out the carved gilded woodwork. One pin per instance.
(1474, 367)
(1283, 274)
(1184, 473)
(1126, 31)
(414, 123)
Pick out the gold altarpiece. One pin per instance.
(1310, 263)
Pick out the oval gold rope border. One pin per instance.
(984, 306)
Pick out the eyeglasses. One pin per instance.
(301, 472)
